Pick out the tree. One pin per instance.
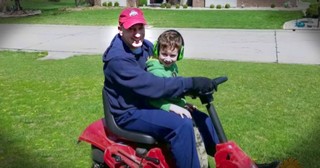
(11, 5)
(2, 5)
(318, 13)
(13, 8)
(17, 6)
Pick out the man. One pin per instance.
(129, 88)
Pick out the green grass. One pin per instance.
(44, 107)
(56, 13)
(270, 110)
(310, 1)
(221, 19)
(46, 4)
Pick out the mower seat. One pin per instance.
(122, 133)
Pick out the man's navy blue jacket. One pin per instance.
(127, 82)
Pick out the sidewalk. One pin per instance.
(281, 46)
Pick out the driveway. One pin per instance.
(281, 46)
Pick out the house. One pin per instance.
(207, 3)
(244, 3)
(267, 3)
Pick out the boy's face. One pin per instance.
(168, 56)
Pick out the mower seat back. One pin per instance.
(122, 133)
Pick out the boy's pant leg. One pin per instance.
(207, 131)
(165, 126)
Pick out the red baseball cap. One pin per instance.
(131, 16)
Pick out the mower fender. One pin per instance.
(95, 135)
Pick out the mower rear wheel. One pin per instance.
(97, 158)
(201, 150)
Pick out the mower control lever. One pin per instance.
(208, 96)
(220, 80)
(208, 99)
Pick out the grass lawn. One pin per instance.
(311, 1)
(270, 110)
(56, 13)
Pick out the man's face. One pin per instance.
(168, 56)
(133, 37)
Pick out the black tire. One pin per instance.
(201, 150)
(97, 158)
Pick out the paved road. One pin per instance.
(283, 46)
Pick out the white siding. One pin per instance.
(233, 3)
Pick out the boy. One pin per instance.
(167, 50)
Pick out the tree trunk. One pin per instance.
(91, 2)
(131, 3)
(3, 6)
(77, 2)
(97, 3)
(17, 5)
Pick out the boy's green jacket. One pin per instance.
(156, 68)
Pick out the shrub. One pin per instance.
(163, 5)
(185, 6)
(168, 5)
(211, 6)
(287, 4)
(227, 6)
(312, 11)
(142, 2)
(54, 0)
(116, 4)
(110, 4)
(104, 4)
(273, 5)
(219, 6)
(177, 6)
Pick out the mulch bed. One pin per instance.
(21, 13)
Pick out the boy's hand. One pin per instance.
(180, 111)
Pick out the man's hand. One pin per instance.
(180, 111)
(202, 85)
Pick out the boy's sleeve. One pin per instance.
(164, 104)
(154, 67)
(179, 101)
(160, 103)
